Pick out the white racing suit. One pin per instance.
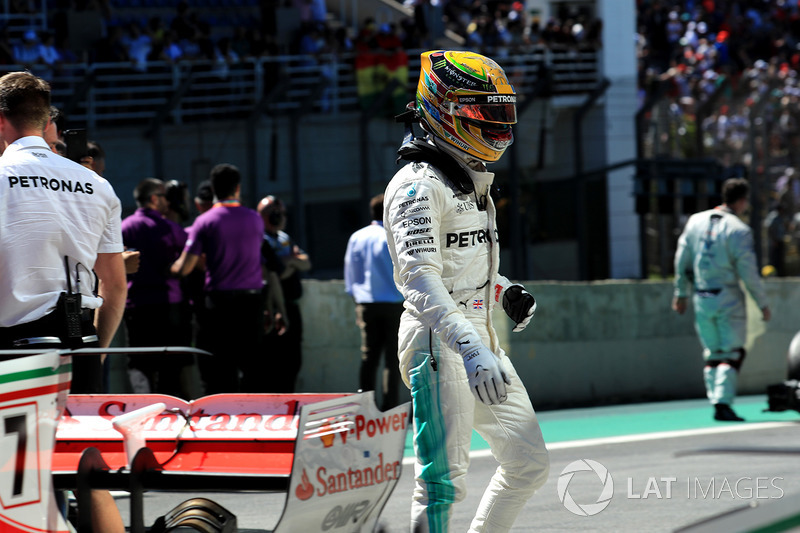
(443, 244)
(714, 252)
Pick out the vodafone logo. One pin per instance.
(587, 509)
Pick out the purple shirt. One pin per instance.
(159, 242)
(230, 236)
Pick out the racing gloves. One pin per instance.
(519, 305)
(487, 378)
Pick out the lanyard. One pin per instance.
(228, 203)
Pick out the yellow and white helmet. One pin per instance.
(466, 100)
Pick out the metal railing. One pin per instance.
(105, 94)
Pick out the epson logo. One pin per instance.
(501, 99)
(416, 221)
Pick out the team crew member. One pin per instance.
(156, 313)
(440, 223)
(369, 279)
(230, 236)
(59, 234)
(714, 252)
(294, 260)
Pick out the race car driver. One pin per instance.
(440, 224)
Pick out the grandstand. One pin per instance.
(281, 98)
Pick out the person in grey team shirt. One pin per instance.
(715, 251)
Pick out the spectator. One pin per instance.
(98, 155)
(192, 285)
(184, 24)
(230, 237)
(49, 54)
(168, 49)
(6, 48)
(295, 261)
(138, 46)
(177, 202)
(156, 313)
(204, 197)
(51, 134)
(112, 48)
(787, 188)
(224, 58)
(777, 224)
(369, 279)
(27, 52)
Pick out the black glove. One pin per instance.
(519, 305)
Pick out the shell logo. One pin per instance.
(327, 436)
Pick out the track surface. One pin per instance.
(656, 454)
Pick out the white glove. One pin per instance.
(487, 378)
(519, 305)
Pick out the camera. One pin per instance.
(77, 146)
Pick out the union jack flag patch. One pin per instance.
(477, 304)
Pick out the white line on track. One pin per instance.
(622, 439)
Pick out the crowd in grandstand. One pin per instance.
(725, 70)
(190, 33)
(686, 51)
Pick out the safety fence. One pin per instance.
(696, 136)
(105, 94)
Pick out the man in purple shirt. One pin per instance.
(156, 312)
(229, 235)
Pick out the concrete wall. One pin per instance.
(590, 343)
(329, 154)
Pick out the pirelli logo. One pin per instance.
(419, 242)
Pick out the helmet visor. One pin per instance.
(486, 108)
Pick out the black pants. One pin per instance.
(379, 323)
(160, 325)
(87, 370)
(233, 325)
(282, 355)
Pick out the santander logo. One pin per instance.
(305, 489)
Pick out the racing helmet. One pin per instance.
(466, 100)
